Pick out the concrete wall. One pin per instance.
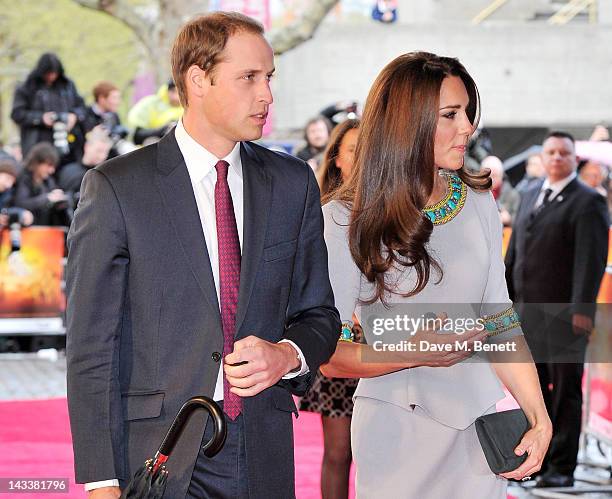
(604, 12)
(529, 74)
(427, 11)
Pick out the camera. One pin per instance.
(16, 219)
(117, 133)
(115, 130)
(15, 215)
(60, 133)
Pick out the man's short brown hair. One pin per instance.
(102, 89)
(201, 42)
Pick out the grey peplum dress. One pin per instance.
(413, 430)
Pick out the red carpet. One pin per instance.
(35, 442)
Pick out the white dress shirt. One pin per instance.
(203, 174)
(555, 187)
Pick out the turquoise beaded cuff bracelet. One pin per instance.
(504, 321)
(346, 333)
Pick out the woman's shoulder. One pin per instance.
(337, 212)
(487, 211)
(336, 216)
(483, 199)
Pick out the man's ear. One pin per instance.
(196, 81)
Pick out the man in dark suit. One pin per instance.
(201, 248)
(554, 265)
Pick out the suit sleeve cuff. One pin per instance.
(104, 483)
(304, 369)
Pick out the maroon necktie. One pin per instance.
(229, 275)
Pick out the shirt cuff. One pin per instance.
(304, 369)
(104, 483)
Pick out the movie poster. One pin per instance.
(31, 272)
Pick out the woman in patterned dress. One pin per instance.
(333, 397)
(412, 232)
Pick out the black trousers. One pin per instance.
(223, 476)
(559, 355)
(562, 389)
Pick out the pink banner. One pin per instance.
(257, 9)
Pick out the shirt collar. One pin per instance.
(559, 185)
(200, 162)
(96, 109)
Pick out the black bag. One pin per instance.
(499, 434)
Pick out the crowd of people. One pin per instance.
(48, 110)
(597, 175)
(61, 138)
(390, 182)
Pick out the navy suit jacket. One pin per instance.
(143, 323)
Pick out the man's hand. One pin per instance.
(582, 324)
(600, 133)
(505, 217)
(27, 218)
(56, 195)
(72, 119)
(104, 493)
(48, 118)
(257, 364)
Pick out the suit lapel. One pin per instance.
(534, 193)
(529, 201)
(558, 200)
(257, 195)
(177, 194)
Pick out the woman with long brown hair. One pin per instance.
(338, 158)
(410, 234)
(333, 397)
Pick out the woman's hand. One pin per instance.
(535, 443)
(443, 350)
(427, 348)
(521, 379)
(433, 349)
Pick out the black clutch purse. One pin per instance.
(499, 434)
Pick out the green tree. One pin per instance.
(109, 40)
(92, 47)
(156, 22)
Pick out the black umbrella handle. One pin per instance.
(220, 428)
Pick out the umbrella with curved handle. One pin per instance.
(149, 482)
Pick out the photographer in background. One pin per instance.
(97, 148)
(316, 135)
(506, 198)
(47, 108)
(340, 111)
(154, 115)
(10, 214)
(36, 190)
(103, 113)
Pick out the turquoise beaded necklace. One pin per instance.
(450, 206)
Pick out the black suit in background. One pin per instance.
(557, 255)
(143, 324)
